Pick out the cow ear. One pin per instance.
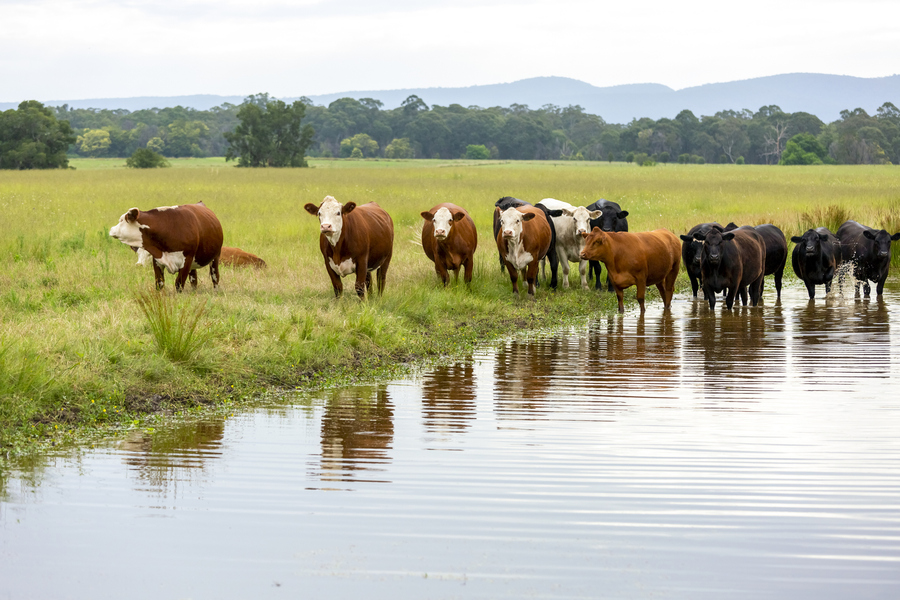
(718, 228)
(731, 227)
(622, 214)
(312, 209)
(497, 211)
(596, 214)
(348, 208)
(132, 215)
(554, 213)
(728, 236)
(527, 216)
(869, 234)
(822, 237)
(584, 234)
(700, 236)
(686, 238)
(895, 237)
(595, 230)
(568, 212)
(427, 215)
(458, 216)
(797, 239)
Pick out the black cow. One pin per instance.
(612, 219)
(870, 251)
(816, 258)
(732, 261)
(690, 252)
(776, 254)
(509, 202)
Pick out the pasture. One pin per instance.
(85, 340)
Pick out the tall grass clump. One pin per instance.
(890, 222)
(174, 328)
(831, 216)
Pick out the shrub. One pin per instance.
(145, 158)
(477, 152)
(664, 157)
(739, 161)
(629, 157)
(173, 327)
(684, 159)
(356, 153)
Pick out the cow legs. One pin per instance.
(641, 287)
(620, 294)
(695, 284)
(811, 289)
(159, 275)
(710, 297)
(336, 282)
(381, 277)
(441, 270)
(595, 271)
(778, 276)
(192, 277)
(469, 266)
(554, 265)
(582, 271)
(879, 286)
(564, 261)
(185, 272)
(214, 272)
(513, 277)
(729, 297)
(867, 289)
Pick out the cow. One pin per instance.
(776, 254)
(816, 258)
(612, 218)
(235, 257)
(509, 202)
(354, 239)
(636, 259)
(732, 261)
(523, 240)
(690, 252)
(175, 238)
(569, 225)
(869, 250)
(449, 240)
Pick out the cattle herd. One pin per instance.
(357, 240)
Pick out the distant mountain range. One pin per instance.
(822, 95)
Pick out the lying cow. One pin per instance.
(523, 240)
(354, 239)
(690, 252)
(636, 259)
(816, 258)
(235, 257)
(612, 218)
(569, 225)
(449, 240)
(870, 252)
(175, 238)
(733, 262)
(509, 202)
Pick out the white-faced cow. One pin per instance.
(570, 224)
(870, 252)
(523, 240)
(612, 218)
(175, 238)
(816, 258)
(449, 240)
(354, 240)
(733, 262)
(509, 202)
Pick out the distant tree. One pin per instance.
(362, 142)
(477, 152)
(356, 153)
(803, 149)
(144, 158)
(156, 144)
(93, 142)
(399, 148)
(611, 156)
(664, 157)
(32, 138)
(269, 134)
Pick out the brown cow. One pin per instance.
(449, 240)
(637, 259)
(354, 239)
(177, 238)
(523, 241)
(235, 257)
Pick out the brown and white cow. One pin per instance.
(449, 240)
(523, 241)
(235, 257)
(176, 238)
(637, 259)
(354, 239)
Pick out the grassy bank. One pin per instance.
(85, 341)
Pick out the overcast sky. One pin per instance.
(74, 49)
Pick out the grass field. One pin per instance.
(86, 343)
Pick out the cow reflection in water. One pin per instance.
(632, 357)
(852, 335)
(448, 397)
(169, 456)
(523, 374)
(357, 432)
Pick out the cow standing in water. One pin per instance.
(612, 218)
(870, 252)
(449, 239)
(175, 238)
(354, 239)
(732, 262)
(637, 259)
(691, 248)
(523, 240)
(816, 258)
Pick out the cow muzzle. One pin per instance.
(440, 234)
(507, 234)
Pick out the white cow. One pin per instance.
(569, 242)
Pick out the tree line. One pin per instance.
(350, 128)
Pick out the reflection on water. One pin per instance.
(685, 454)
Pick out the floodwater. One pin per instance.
(691, 454)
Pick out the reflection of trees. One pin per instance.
(448, 397)
(847, 335)
(357, 431)
(173, 454)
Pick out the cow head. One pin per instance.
(331, 217)
(582, 217)
(882, 241)
(811, 241)
(595, 245)
(511, 223)
(128, 230)
(609, 218)
(696, 245)
(713, 242)
(442, 220)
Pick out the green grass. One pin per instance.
(78, 352)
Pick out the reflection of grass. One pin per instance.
(66, 287)
(173, 325)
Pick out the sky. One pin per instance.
(79, 49)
